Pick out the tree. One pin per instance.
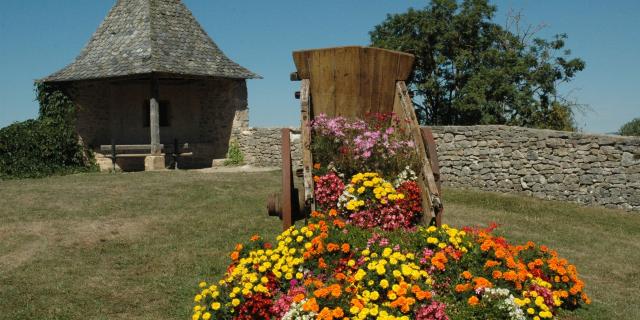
(631, 128)
(470, 70)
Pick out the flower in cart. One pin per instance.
(328, 189)
(366, 189)
(405, 175)
(373, 144)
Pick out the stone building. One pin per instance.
(149, 75)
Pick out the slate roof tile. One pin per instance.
(149, 36)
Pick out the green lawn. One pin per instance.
(134, 246)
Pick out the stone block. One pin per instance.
(154, 163)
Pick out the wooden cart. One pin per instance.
(351, 82)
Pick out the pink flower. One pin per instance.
(328, 189)
(434, 311)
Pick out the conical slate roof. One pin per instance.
(150, 36)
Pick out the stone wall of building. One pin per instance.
(589, 169)
(204, 113)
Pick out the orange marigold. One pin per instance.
(332, 247)
(322, 264)
(438, 260)
(473, 300)
(462, 287)
(311, 305)
(339, 223)
(235, 255)
(481, 282)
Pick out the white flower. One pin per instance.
(405, 175)
(296, 313)
(506, 302)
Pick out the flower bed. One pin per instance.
(363, 256)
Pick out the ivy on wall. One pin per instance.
(47, 145)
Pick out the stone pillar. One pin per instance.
(155, 161)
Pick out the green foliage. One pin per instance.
(631, 128)
(470, 70)
(45, 146)
(234, 154)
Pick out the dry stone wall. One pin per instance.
(584, 168)
(261, 146)
(589, 169)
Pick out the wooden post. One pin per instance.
(287, 180)
(113, 154)
(154, 116)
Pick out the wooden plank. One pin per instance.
(301, 60)
(367, 62)
(136, 155)
(126, 147)
(287, 180)
(347, 77)
(374, 73)
(432, 194)
(307, 157)
(323, 81)
(430, 143)
(133, 147)
(352, 81)
(385, 87)
(405, 66)
(432, 153)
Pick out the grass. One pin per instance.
(126, 246)
(134, 246)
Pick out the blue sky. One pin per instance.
(38, 37)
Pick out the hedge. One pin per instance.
(47, 145)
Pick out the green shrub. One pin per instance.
(234, 154)
(631, 128)
(45, 146)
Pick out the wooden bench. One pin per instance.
(114, 151)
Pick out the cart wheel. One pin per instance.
(282, 204)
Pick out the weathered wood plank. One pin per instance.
(367, 62)
(307, 157)
(387, 69)
(136, 147)
(287, 180)
(432, 194)
(347, 77)
(352, 81)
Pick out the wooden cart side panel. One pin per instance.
(367, 63)
(305, 128)
(323, 84)
(302, 60)
(352, 81)
(430, 143)
(431, 194)
(347, 90)
(386, 73)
